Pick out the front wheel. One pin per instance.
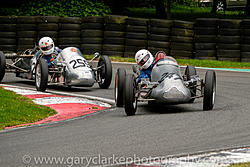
(130, 91)
(105, 72)
(2, 65)
(119, 86)
(41, 77)
(189, 72)
(209, 90)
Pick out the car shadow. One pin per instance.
(166, 108)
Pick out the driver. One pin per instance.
(49, 51)
(146, 60)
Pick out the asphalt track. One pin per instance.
(153, 131)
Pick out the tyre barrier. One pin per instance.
(92, 34)
(182, 29)
(69, 33)
(8, 33)
(136, 36)
(228, 40)
(159, 35)
(245, 40)
(114, 45)
(205, 38)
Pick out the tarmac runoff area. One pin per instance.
(67, 107)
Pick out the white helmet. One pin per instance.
(46, 45)
(144, 58)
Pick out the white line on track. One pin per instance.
(110, 101)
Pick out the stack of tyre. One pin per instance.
(69, 32)
(136, 36)
(245, 40)
(159, 35)
(26, 32)
(48, 27)
(228, 46)
(7, 33)
(92, 34)
(114, 39)
(182, 30)
(205, 38)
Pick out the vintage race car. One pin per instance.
(167, 86)
(69, 68)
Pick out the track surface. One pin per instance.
(153, 131)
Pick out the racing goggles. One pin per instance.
(144, 60)
(47, 47)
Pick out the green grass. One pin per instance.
(181, 12)
(194, 62)
(241, 165)
(16, 109)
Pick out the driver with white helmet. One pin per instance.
(48, 49)
(146, 60)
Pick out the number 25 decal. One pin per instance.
(78, 63)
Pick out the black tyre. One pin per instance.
(229, 23)
(189, 72)
(205, 46)
(116, 41)
(93, 19)
(95, 26)
(183, 24)
(181, 39)
(161, 23)
(91, 40)
(209, 90)
(74, 20)
(41, 77)
(26, 27)
(109, 47)
(163, 38)
(114, 27)
(130, 101)
(182, 32)
(133, 35)
(182, 46)
(75, 40)
(136, 42)
(114, 34)
(131, 28)
(47, 27)
(65, 26)
(205, 30)
(105, 72)
(69, 33)
(2, 65)
(91, 33)
(119, 85)
(115, 19)
(206, 22)
(158, 44)
(137, 21)
(159, 31)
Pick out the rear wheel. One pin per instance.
(119, 85)
(130, 99)
(209, 90)
(41, 77)
(2, 65)
(189, 72)
(105, 72)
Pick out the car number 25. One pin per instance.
(76, 63)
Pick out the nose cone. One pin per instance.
(171, 90)
(174, 95)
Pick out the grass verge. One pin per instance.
(182, 12)
(16, 109)
(194, 62)
(241, 165)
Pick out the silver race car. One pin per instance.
(167, 86)
(70, 69)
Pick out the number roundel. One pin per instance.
(76, 63)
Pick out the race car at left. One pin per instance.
(70, 68)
